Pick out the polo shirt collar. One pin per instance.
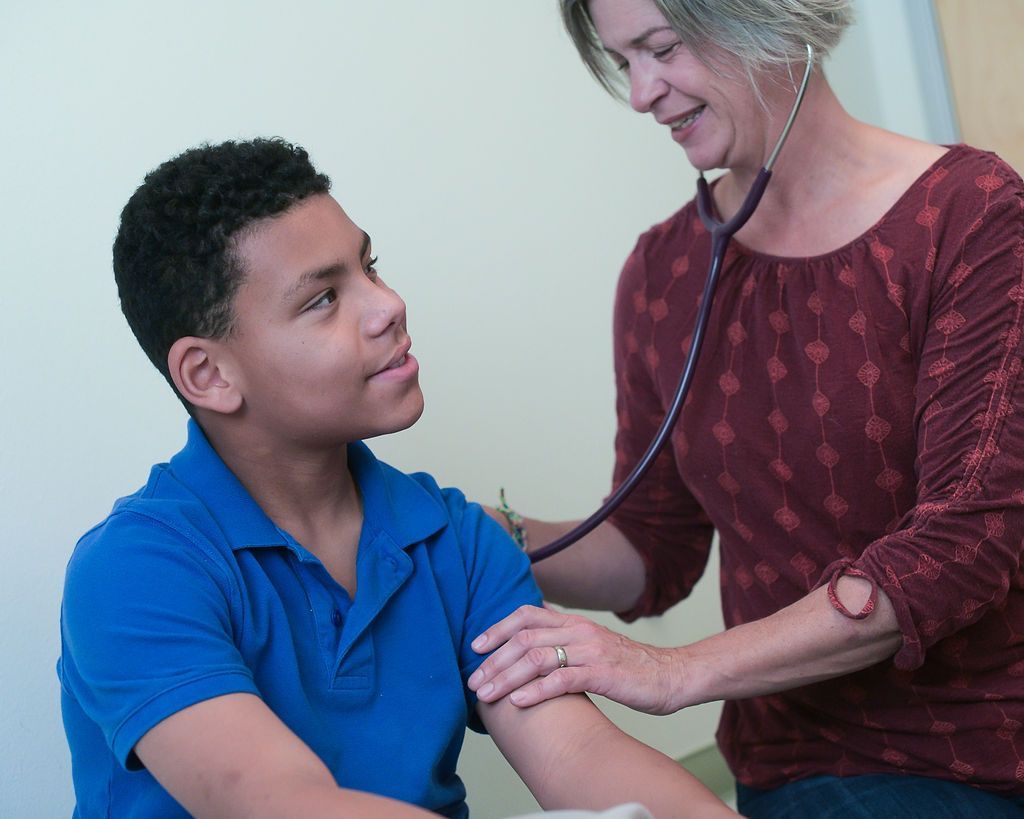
(393, 503)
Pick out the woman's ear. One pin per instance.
(201, 377)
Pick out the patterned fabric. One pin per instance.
(861, 412)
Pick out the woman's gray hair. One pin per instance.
(759, 33)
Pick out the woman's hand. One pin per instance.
(600, 661)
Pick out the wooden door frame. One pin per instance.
(936, 88)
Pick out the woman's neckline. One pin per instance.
(951, 152)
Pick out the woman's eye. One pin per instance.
(325, 299)
(667, 51)
(371, 269)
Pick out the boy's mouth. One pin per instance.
(398, 359)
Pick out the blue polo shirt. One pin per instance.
(189, 591)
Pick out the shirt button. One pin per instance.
(336, 618)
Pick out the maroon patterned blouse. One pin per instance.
(861, 411)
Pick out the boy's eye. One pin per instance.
(325, 299)
(371, 269)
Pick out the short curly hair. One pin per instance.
(174, 264)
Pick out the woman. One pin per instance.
(855, 434)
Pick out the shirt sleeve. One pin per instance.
(497, 573)
(955, 554)
(661, 519)
(146, 629)
(496, 581)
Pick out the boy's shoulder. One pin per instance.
(413, 507)
(191, 506)
(410, 494)
(160, 519)
(193, 502)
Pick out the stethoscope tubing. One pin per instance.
(721, 234)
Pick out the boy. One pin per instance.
(277, 623)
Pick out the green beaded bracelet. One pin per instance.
(515, 521)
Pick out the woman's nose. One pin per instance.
(645, 87)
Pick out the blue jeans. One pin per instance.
(875, 795)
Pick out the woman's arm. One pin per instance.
(805, 642)
(948, 563)
(602, 572)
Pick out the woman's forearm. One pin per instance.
(806, 642)
(602, 572)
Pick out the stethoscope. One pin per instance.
(721, 233)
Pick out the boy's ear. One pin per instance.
(201, 378)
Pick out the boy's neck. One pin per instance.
(309, 493)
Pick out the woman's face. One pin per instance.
(717, 120)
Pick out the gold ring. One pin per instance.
(563, 659)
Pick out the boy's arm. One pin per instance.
(231, 756)
(571, 756)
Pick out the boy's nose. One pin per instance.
(384, 310)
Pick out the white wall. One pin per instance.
(502, 188)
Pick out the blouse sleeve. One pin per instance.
(661, 519)
(956, 552)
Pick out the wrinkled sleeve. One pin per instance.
(497, 582)
(145, 630)
(661, 519)
(954, 555)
